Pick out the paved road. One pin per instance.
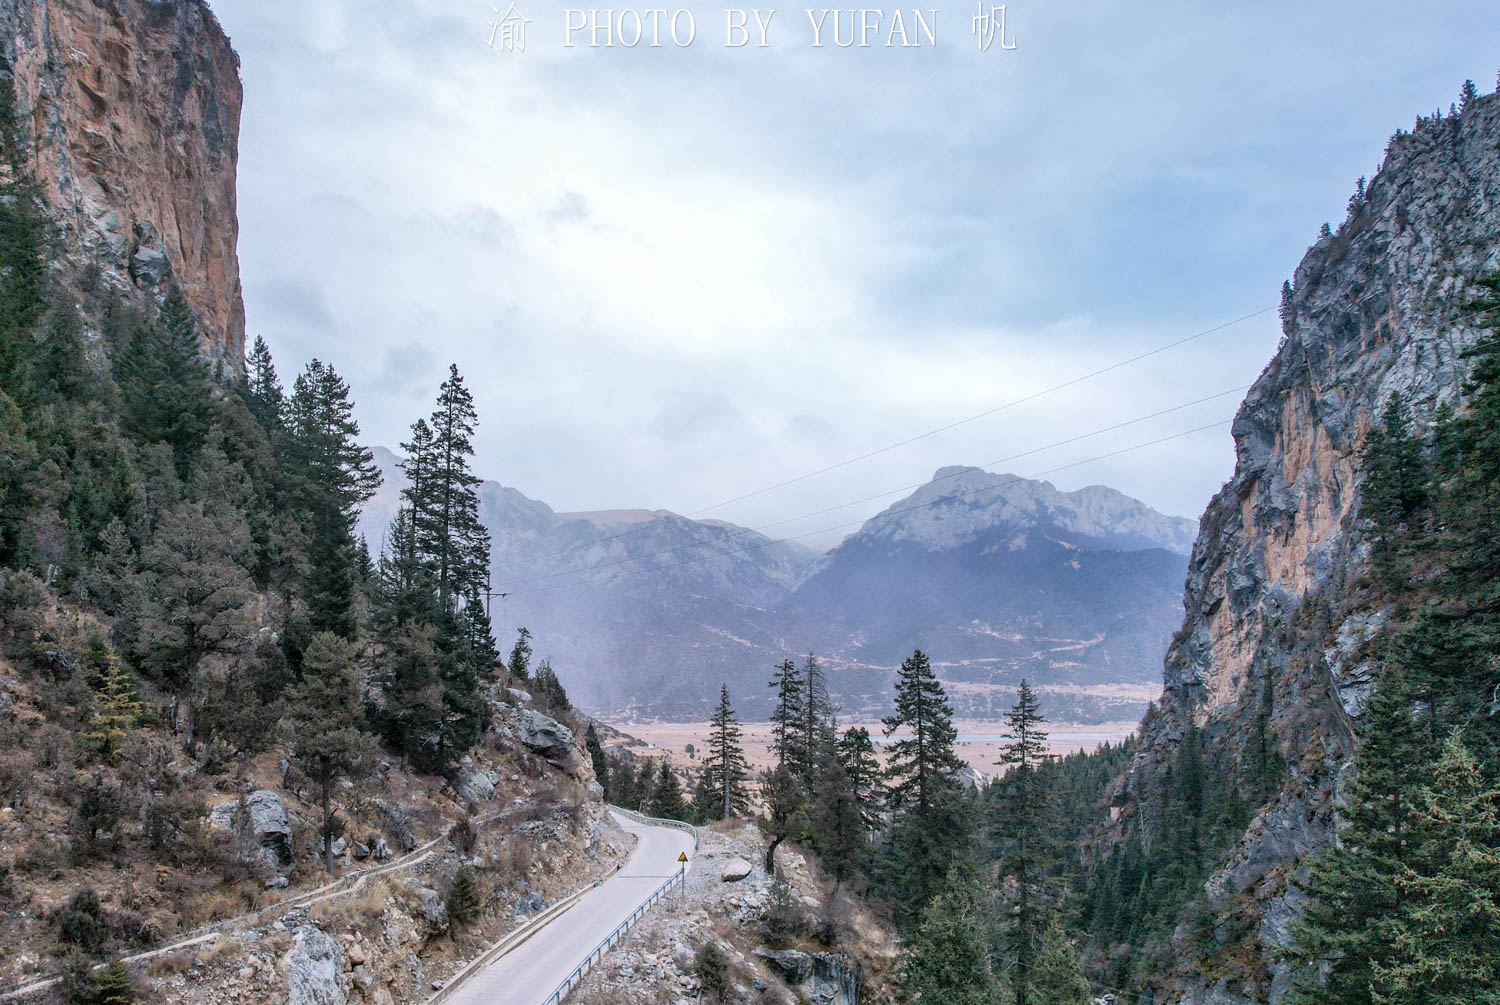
(531, 971)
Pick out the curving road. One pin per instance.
(533, 970)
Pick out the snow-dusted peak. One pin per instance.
(961, 503)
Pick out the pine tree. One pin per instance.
(860, 765)
(326, 741)
(464, 898)
(947, 961)
(332, 476)
(1348, 931)
(519, 663)
(1057, 974)
(1396, 473)
(815, 731)
(1447, 930)
(786, 713)
(724, 768)
(1467, 95)
(263, 392)
(930, 828)
(601, 765)
(786, 800)
(921, 767)
(1026, 829)
(117, 709)
(839, 832)
(667, 795)
(165, 383)
(443, 495)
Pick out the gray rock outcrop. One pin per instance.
(314, 968)
(544, 735)
(268, 823)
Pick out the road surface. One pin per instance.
(528, 974)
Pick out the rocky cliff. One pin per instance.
(1275, 609)
(133, 111)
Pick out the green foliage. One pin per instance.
(711, 967)
(930, 825)
(1056, 976)
(723, 791)
(464, 899)
(600, 763)
(1025, 827)
(117, 710)
(1447, 925)
(108, 985)
(324, 721)
(519, 663)
(947, 960)
(551, 688)
(667, 799)
(81, 921)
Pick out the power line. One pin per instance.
(933, 432)
(909, 509)
(879, 495)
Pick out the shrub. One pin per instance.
(81, 921)
(111, 985)
(463, 835)
(711, 967)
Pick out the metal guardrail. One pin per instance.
(609, 941)
(613, 938)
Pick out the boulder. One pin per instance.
(314, 968)
(794, 967)
(543, 735)
(434, 909)
(519, 695)
(531, 903)
(380, 851)
(473, 786)
(360, 851)
(736, 869)
(268, 823)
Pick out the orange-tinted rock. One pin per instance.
(133, 109)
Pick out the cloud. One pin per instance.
(673, 276)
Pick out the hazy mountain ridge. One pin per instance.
(643, 611)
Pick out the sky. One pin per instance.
(674, 276)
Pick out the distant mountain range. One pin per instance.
(643, 613)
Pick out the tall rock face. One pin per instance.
(1276, 609)
(133, 113)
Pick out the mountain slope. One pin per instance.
(644, 611)
(1274, 613)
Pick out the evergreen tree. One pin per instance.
(839, 832)
(263, 392)
(921, 767)
(947, 961)
(326, 742)
(1467, 95)
(551, 688)
(168, 396)
(815, 731)
(1447, 929)
(667, 796)
(332, 476)
(930, 829)
(786, 713)
(443, 496)
(601, 765)
(724, 768)
(1348, 931)
(464, 898)
(117, 709)
(1026, 828)
(1057, 974)
(519, 663)
(786, 800)
(856, 753)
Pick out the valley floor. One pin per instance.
(979, 740)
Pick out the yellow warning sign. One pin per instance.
(682, 857)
